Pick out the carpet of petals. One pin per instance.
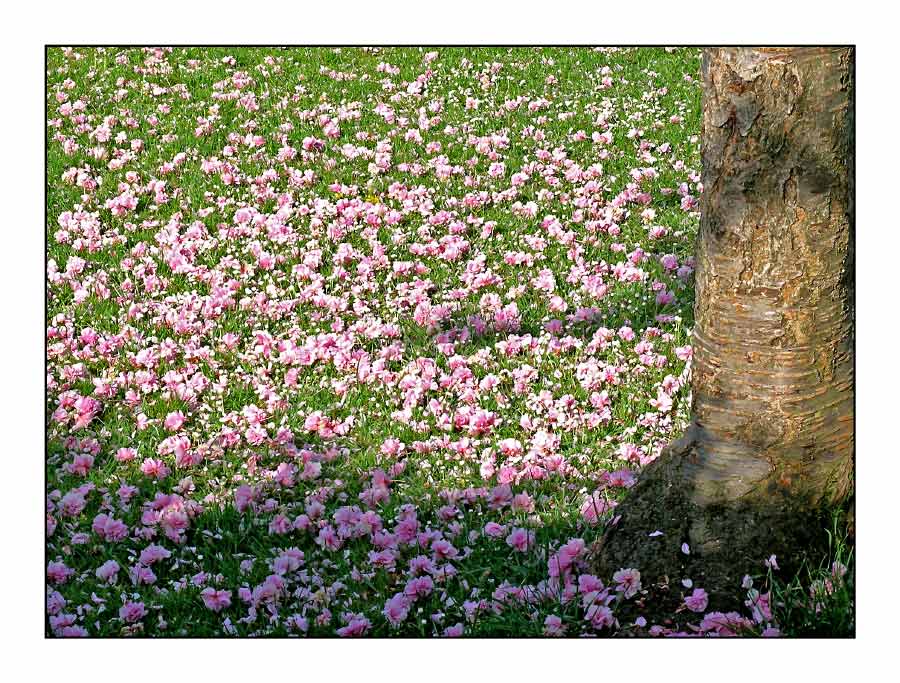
(349, 342)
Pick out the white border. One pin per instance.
(423, 23)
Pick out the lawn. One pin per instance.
(364, 341)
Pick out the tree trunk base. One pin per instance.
(725, 540)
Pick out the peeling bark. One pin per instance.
(771, 443)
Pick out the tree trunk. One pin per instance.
(770, 446)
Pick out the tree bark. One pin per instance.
(770, 446)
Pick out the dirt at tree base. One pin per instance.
(725, 541)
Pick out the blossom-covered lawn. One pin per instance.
(363, 341)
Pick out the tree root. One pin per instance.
(714, 544)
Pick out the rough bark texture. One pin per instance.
(770, 446)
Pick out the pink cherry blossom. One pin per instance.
(697, 601)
